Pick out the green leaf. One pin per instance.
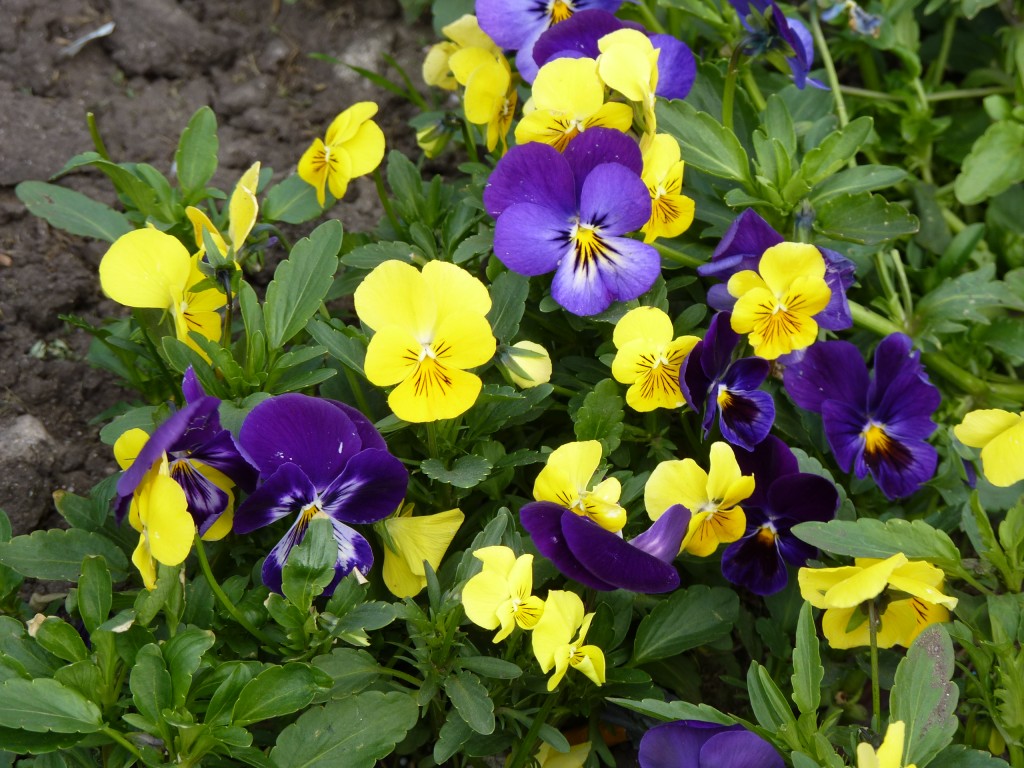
(57, 555)
(94, 593)
(488, 666)
(835, 151)
(470, 698)
(705, 143)
(278, 691)
(807, 669)
(923, 696)
(959, 756)
(348, 349)
(351, 669)
(61, 639)
(968, 298)
(770, 707)
(233, 676)
(28, 743)
(43, 705)
(373, 254)
(864, 218)
(778, 123)
(183, 653)
(196, 158)
(310, 566)
(292, 201)
(474, 245)
(453, 734)
(300, 283)
(675, 710)
(354, 732)
(81, 512)
(150, 683)
(508, 302)
(600, 416)
(868, 537)
(466, 472)
(72, 211)
(863, 178)
(994, 163)
(688, 619)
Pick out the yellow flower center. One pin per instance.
(766, 535)
(875, 440)
(660, 375)
(589, 246)
(308, 513)
(724, 397)
(560, 10)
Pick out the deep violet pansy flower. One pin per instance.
(877, 424)
(713, 383)
(515, 25)
(770, 32)
(746, 240)
(584, 551)
(190, 437)
(577, 37)
(569, 212)
(697, 744)
(783, 497)
(317, 457)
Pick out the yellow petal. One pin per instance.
(128, 446)
(242, 208)
(143, 560)
(398, 576)
(601, 505)
(145, 268)
(979, 428)
(647, 323)
(339, 171)
(726, 483)
(201, 223)
(569, 86)
(498, 559)
(590, 661)
(675, 482)
(903, 620)
(464, 340)
(866, 583)
(395, 293)
(423, 538)
(577, 755)
(482, 596)
(529, 611)
(834, 626)
(485, 91)
(1002, 460)
(563, 613)
(345, 125)
(313, 168)
(783, 263)
(612, 115)
(890, 754)
(169, 527)
(661, 158)
(454, 289)
(437, 68)
(671, 215)
(466, 32)
(392, 356)
(520, 578)
(433, 392)
(567, 472)
(628, 63)
(537, 366)
(922, 580)
(744, 282)
(365, 150)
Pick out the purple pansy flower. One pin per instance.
(317, 456)
(568, 212)
(783, 497)
(515, 25)
(600, 559)
(878, 425)
(190, 437)
(696, 744)
(712, 383)
(769, 31)
(741, 248)
(577, 38)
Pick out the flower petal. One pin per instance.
(145, 268)
(531, 239)
(369, 488)
(433, 392)
(169, 528)
(365, 150)
(284, 493)
(531, 173)
(597, 146)
(614, 197)
(831, 370)
(625, 270)
(739, 749)
(543, 521)
(395, 293)
(677, 67)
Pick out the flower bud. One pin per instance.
(528, 364)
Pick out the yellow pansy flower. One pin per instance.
(159, 513)
(500, 595)
(1000, 435)
(648, 359)
(462, 33)
(671, 211)
(712, 497)
(889, 755)
(568, 97)
(776, 305)
(242, 212)
(918, 602)
(409, 541)
(353, 146)
(554, 645)
(629, 64)
(565, 480)
(429, 326)
(490, 98)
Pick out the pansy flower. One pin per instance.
(501, 595)
(353, 146)
(490, 97)
(697, 744)
(166, 530)
(746, 240)
(1000, 435)
(671, 210)
(783, 497)
(876, 424)
(628, 64)
(558, 640)
(771, 34)
(242, 211)
(569, 213)
(429, 327)
(579, 36)
(566, 481)
(412, 540)
(712, 497)
(515, 25)
(602, 560)
(889, 754)
(317, 457)
(463, 33)
(913, 600)
(715, 385)
(568, 99)
(648, 359)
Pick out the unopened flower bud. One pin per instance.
(528, 364)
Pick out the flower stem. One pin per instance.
(378, 180)
(939, 65)
(753, 89)
(649, 18)
(677, 256)
(521, 755)
(876, 693)
(120, 739)
(830, 67)
(467, 135)
(729, 93)
(94, 133)
(237, 615)
(225, 278)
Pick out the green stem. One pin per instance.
(116, 736)
(867, 93)
(650, 20)
(94, 133)
(729, 94)
(382, 193)
(968, 93)
(753, 89)
(467, 135)
(237, 615)
(872, 321)
(225, 339)
(677, 256)
(398, 674)
(830, 67)
(939, 65)
(876, 692)
(521, 755)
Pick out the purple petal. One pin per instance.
(719, 343)
(284, 493)
(844, 428)
(839, 276)
(663, 539)
(543, 521)
(894, 356)
(525, 63)
(531, 239)
(746, 374)
(615, 561)
(370, 488)
(597, 146)
(803, 497)
(531, 173)
(302, 430)
(625, 270)
(677, 69)
(902, 470)
(678, 744)
(719, 298)
(770, 459)
(741, 247)
(907, 406)
(748, 417)
(205, 500)
(739, 749)
(511, 24)
(278, 556)
(830, 370)
(190, 386)
(368, 434)
(221, 452)
(693, 382)
(354, 552)
(615, 199)
(755, 563)
(796, 34)
(575, 37)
